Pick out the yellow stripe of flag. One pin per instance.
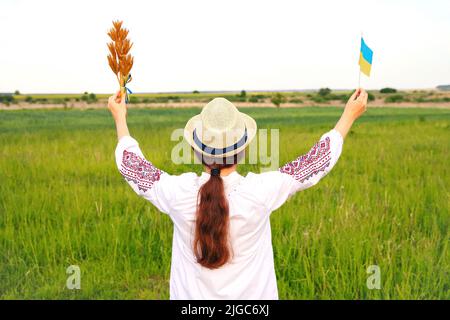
(365, 66)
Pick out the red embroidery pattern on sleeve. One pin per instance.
(308, 165)
(140, 171)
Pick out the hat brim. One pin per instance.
(192, 124)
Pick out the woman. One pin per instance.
(222, 247)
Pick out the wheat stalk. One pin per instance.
(119, 58)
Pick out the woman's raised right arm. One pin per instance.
(308, 169)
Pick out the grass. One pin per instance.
(386, 203)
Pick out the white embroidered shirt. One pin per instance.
(250, 274)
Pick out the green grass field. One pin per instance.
(386, 203)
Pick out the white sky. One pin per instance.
(60, 46)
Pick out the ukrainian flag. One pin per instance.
(365, 58)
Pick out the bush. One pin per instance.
(341, 97)
(160, 99)
(420, 100)
(344, 97)
(6, 99)
(57, 101)
(92, 97)
(395, 98)
(236, 98)
(173, 98)
(431, 100)
(296, 100)
(41, 100)
(133, 99)
(260, 96)
(253, 99)
(324, 92)
(29, 99)
(388, 90)
(319, 99)
(277, 99)
(331, 97)
(89, 97)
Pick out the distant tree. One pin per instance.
(84, 97)
(89, 97)
(243, 93)
(277, 99)
(195, 92)
(370, 96)
(29, 99)
(324, 92)
(92, 97)
(388, 90)
(17, 93)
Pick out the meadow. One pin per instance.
(386, 203)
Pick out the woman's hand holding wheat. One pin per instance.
(118, 108)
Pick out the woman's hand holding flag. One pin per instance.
(354, 108)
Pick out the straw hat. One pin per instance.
(220, 130)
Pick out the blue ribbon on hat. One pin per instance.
(127, 90)
(219, 151)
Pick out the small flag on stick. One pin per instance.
(365, 58)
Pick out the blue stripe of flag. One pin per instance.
(367, 53)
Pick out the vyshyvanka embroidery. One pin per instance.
(310, 164)
(140, 171)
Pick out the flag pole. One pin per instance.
(359, 73)
(359, 78)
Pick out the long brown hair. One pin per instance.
(211, 241)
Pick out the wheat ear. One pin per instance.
(119, 58)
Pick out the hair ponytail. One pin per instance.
(211, 245)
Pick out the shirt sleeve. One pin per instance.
(143, 177)
(305, 171)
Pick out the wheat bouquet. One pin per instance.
(119, 58)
